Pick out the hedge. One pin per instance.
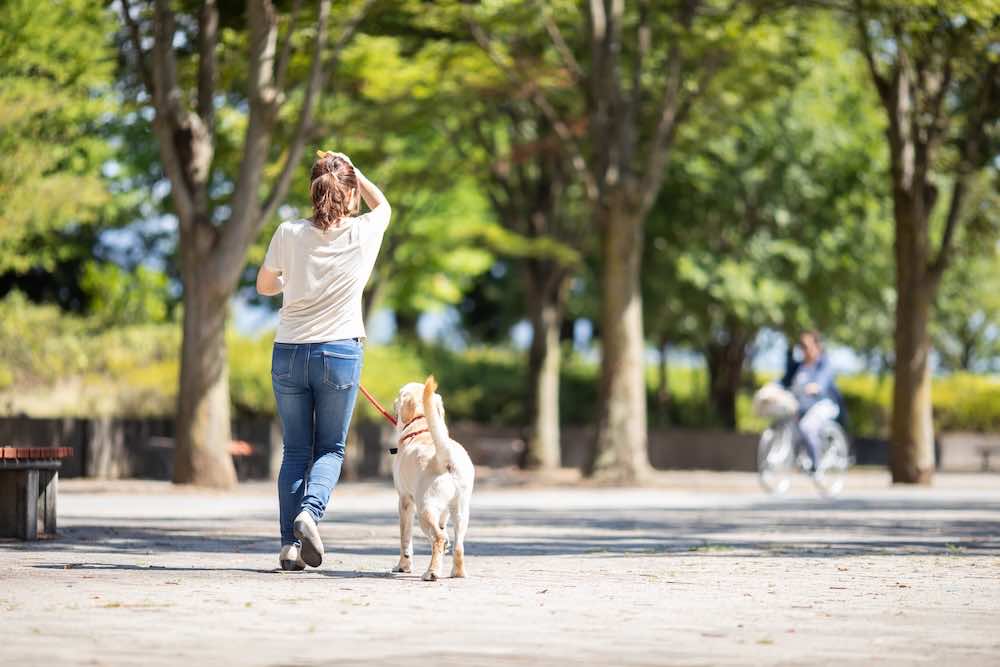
(54, 364)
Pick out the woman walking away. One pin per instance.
(320, 266)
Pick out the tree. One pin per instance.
(636, 74)
(56, 86)
(506, 153)
(966, 335)
(528, 186)
(937, 72)
(180, 74)
(966, 331)
(783, 223)
(392, 120)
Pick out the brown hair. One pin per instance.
(334, 191)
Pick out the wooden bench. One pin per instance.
(29, 481)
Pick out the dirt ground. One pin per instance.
(698, 569)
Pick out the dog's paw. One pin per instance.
(402, 568)
(458, 573)
(429, 576)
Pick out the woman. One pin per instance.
(320, 266)
(812, 381)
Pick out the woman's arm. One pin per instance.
(822, 381)
(269, 283)
(370, 192)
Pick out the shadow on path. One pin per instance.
(788, 528)
(338, 574)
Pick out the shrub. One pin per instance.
(55, 364)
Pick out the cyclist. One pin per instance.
(812, 382)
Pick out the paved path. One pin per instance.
(701, 570)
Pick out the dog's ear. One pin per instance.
(407, 409)
(439, 405)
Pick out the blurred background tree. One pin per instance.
(936, 68)
(216, 116)
(57, 119)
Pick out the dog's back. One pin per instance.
(432, 461)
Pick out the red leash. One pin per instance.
(385, 413)
(378, 406)
(392, 420)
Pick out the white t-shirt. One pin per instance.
(324, 275)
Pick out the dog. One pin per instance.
(433, 476)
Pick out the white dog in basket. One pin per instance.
(774, 402)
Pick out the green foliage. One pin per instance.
(30, 345)
(770, 205)
(966, 327)
(967, 402)
(124, 297)
(962, 402)
(56, 67)
(52, 363)
(391, 125)
(80, 367)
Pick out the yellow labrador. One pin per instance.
(433, 475)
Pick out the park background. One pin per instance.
(607, 219)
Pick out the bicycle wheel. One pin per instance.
(776, 457)
(834, 458)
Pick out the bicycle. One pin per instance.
(782, 453)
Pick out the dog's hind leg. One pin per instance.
(444, 528)
(406, 508)
(461, 516)
(430, 522)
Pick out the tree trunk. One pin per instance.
(725, 363)
(406, 325)
(370, 298)
(968, 340)
(546, 297)
(663, 383)
(965, 359)
(912, 454)
(203, 422)
(620, 453)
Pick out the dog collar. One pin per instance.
(407, 424)
(409, 436)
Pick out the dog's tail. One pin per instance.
(434, 412)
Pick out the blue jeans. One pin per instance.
(315, 386)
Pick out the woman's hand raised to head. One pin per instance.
(369, 191)
(325, 154)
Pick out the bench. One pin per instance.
(29, 481)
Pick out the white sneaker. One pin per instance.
(290, 559)
(312, 546)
